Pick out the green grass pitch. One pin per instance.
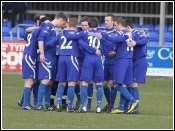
(156, 110)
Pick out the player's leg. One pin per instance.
(29, 74)
(113, 90)
(90, 94)
(78, 84)
(139, 76)
(124, 67)
(35, 91)
(127, 104)
(46, 75)
(83, 96)
(106, 94)
(53, 92)
(70, 95)
(112, 96)
(85, 77)
(106, 84)
(62, 78)
(77, 92)
(64, 97)
(73, 68)
(98, 77)
(54, 84)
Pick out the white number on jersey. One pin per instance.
(94, 42)
(63, 45)
(29, 36)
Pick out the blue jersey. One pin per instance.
(119, 39)
(68, 46)
(81, 50)
(31, 45)
(79, 36)
(68, 43)
(110, 32)
(47, 33)
(103, 44)
(140, 50)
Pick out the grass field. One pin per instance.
(156, 104)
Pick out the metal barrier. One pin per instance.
(80, 14)
(18, 31)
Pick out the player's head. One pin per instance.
(37, 18)
(73, 23)
(119, 23)
(43, 19)
(93, 22)
(129, 24)
(109, 20)
(66, 25)
(60, 19)
(84, 23)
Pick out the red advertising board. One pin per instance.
(12, 52)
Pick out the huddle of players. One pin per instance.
(80, 59)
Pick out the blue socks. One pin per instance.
(35, 92)
(135, 92)
(112, 97)
(41, 93)
(47, 95)
(83, 95)
(27, 92)
(70, 96)
(99, 95)
(60, 91)
(125, 93)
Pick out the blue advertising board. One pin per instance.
(160, 61)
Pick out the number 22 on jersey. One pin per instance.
(65, 44)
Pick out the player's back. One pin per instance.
(92, 41)
(68, 47)
(31, 45)
(81, 50)
(122, 50)
(141, 49)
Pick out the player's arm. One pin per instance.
(41, 38)
(115, 39)
(54, 42)
(30, 29)
(86, 46)
(107, 46)
(142, 42)
(106, 42)
(142, 38)
(73, 36)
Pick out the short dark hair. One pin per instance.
(129, 22)
(111, 15)
(61, 15)
(85, 18)
(120, 20)
(93, 22)
(37, 17)
(43, 19)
